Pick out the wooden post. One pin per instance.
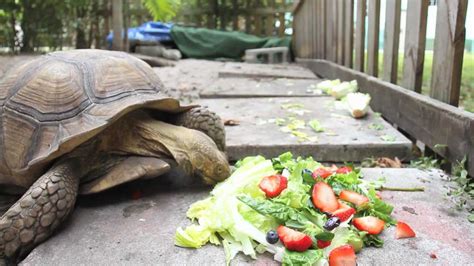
(248, 18)
(391, 40)
(331, 28)
(360, 36)
(348, 32)
(126, 24)
(235, 15)
(415, 38)
(373, 38)
(117, 25)
(448, 51)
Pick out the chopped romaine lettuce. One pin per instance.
(357, 104)
(341, 90)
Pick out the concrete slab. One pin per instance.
(248, 87)
(246, 70)
(111, 229)
(344, 138)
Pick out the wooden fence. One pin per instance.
(329, 37)
(251, 16)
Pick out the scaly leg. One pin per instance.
(33, 218)
(206, 121)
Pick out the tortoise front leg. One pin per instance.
(206, 121)
(33, 218)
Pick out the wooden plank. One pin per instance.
(344, 138)
(391, 40)
(322, 27)
(331, 28)
(348, 32)
(359, 61)
(426, 119)
(415, 37)
(340, 31)
(448, 51)
(314, 29)
(373, 38)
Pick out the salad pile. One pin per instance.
(297, 209)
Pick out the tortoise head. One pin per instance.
(209, 163)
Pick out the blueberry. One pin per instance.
(272, 237)
(332, 223)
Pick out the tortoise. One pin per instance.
(83, 121)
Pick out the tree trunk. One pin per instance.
(117, 25)
(13, 36)
(26, 23)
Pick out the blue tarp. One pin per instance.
(149, 32)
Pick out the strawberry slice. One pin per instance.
(342, 256)
(404, 231)
(323, 244)
(344, 170)
(344, 213)
(294, 240)
(370, 224)
(322, 172)
(343, 205)
(324, 198)
(353, 197)
(273, 185)
(378, 195)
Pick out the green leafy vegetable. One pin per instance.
(388, 138)
(315, 125)
(309, 257)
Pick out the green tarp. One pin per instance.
(209, 44)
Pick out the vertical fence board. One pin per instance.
(340, 31)
(359, 61)
(391, 40)
(321, 14)
(331, 27)
(348, 32)
(448, 50)
(235, 15)
(373, 37)
(314, 28)
(415, 38)
(248, 20)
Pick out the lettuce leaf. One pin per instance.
(308, 257)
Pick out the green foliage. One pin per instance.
(162, 10)
(425, 162)
(462, 193)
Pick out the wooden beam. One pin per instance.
(426, 119)
(391, 40)
(359, 61)
(373, 38)
(415, 38)
(448, 51)
(348, 32)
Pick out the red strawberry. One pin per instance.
(323, 244)
(321, 172)
(344, 214)
(294, 240)
(343, 205)
(370, 224)
(324, 198)
(404, 231)
(273, 185)
(344, 170)
(353, 197)
(342, 256)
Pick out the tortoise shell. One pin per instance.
(58, 101)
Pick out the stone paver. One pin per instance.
(111, 229)
(242, 70)
(344, 138)
(246, 88)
